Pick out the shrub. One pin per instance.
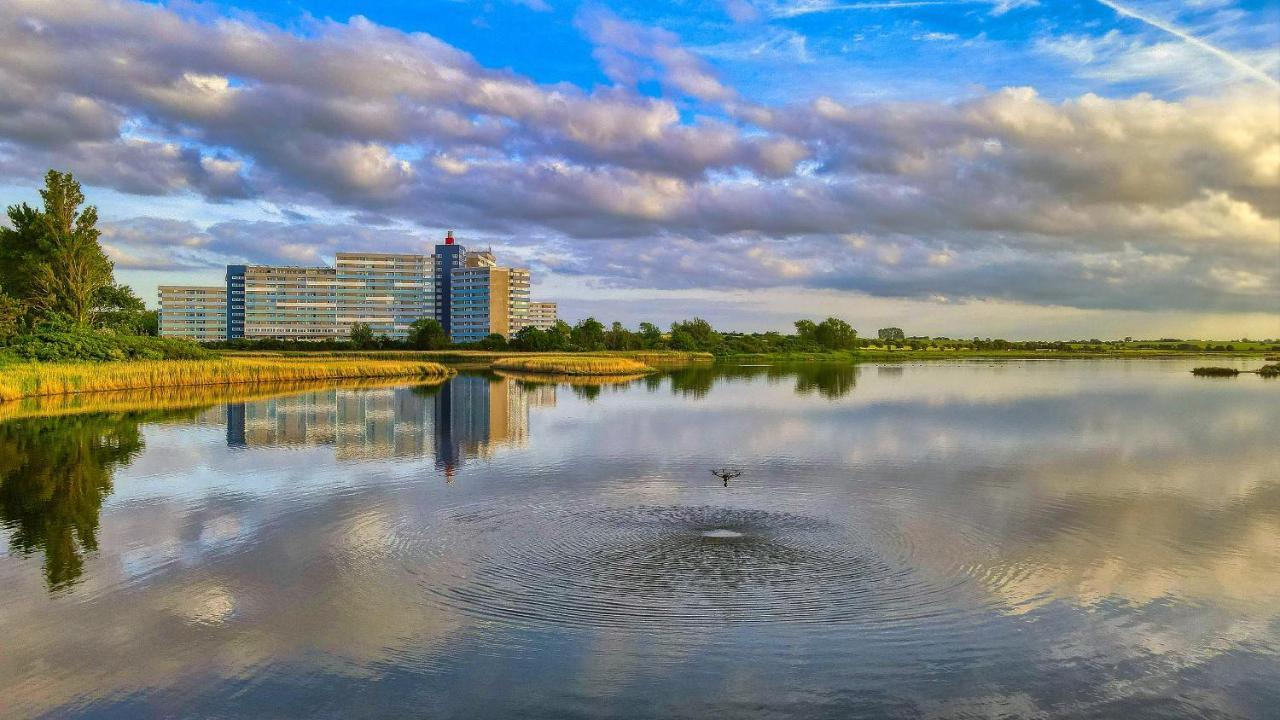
(61, 343)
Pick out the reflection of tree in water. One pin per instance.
(54, 474)
(586, 392)
(831, 380)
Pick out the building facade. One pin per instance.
(193, 312)
(291, 303)
(541, 315)
(469, 294)
(488, 300)
(384, 291)
(449, 257)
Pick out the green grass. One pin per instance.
(20, 380)
(573, 365)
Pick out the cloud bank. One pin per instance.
(1134, 203)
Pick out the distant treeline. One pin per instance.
(697, 335)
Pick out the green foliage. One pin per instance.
(10, 317)
(650, 336)
(62, 340)
(588, 335)
(493, 341)
(118, 310)
(891, 333)
(427, 334)
(52, 260)
(361, 336)
(695, 335)
(537, 340)
(830, 334)
(619, 338)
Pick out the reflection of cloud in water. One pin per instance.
(1119, 533)
(315, 586)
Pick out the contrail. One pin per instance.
(1193, 40)
(823, 7)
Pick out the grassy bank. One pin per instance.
(880, 355)
(573, 365)
(577, 380)
(21, 380)
(182, 398)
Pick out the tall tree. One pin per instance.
(427, 334)
(58, 252)
(361, 336)
(588, 334)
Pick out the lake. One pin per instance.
(1073, 538)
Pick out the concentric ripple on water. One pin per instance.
(638, 568)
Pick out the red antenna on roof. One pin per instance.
(448, 238)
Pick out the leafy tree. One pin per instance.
(620, 338)
(830, 334)
(57, 249)
(116, 308)
(836, 334)
(560, 336)
(890, 333)
(19, 249)
(10, 317)
(427, 334)
(650, 335)
(696, 334)
(588, 334)
(361, 336)
(493, 341)
(529, 338)
(538, 340)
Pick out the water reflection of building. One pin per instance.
(476, 414)
(469, 416)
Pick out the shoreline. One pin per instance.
(26, 380)
(20, 381)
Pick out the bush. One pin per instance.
(58, 343)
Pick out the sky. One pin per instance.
(994, 168)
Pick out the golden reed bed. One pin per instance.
(572, 365)
(42, 379)
(579, 380)
(183, 398)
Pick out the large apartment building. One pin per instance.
(467, 292)
(194, 312)
(541, 315)
(386, 292)
(487, 300)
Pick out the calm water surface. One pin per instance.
(1092, 539)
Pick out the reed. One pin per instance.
(183, 398)
(662, 357)
(40, 379)
(539, 378)
(573, 365)
(1215, 371)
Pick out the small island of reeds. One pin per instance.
(573, 365)
(1215, 372)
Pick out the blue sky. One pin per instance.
(1002, 167)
